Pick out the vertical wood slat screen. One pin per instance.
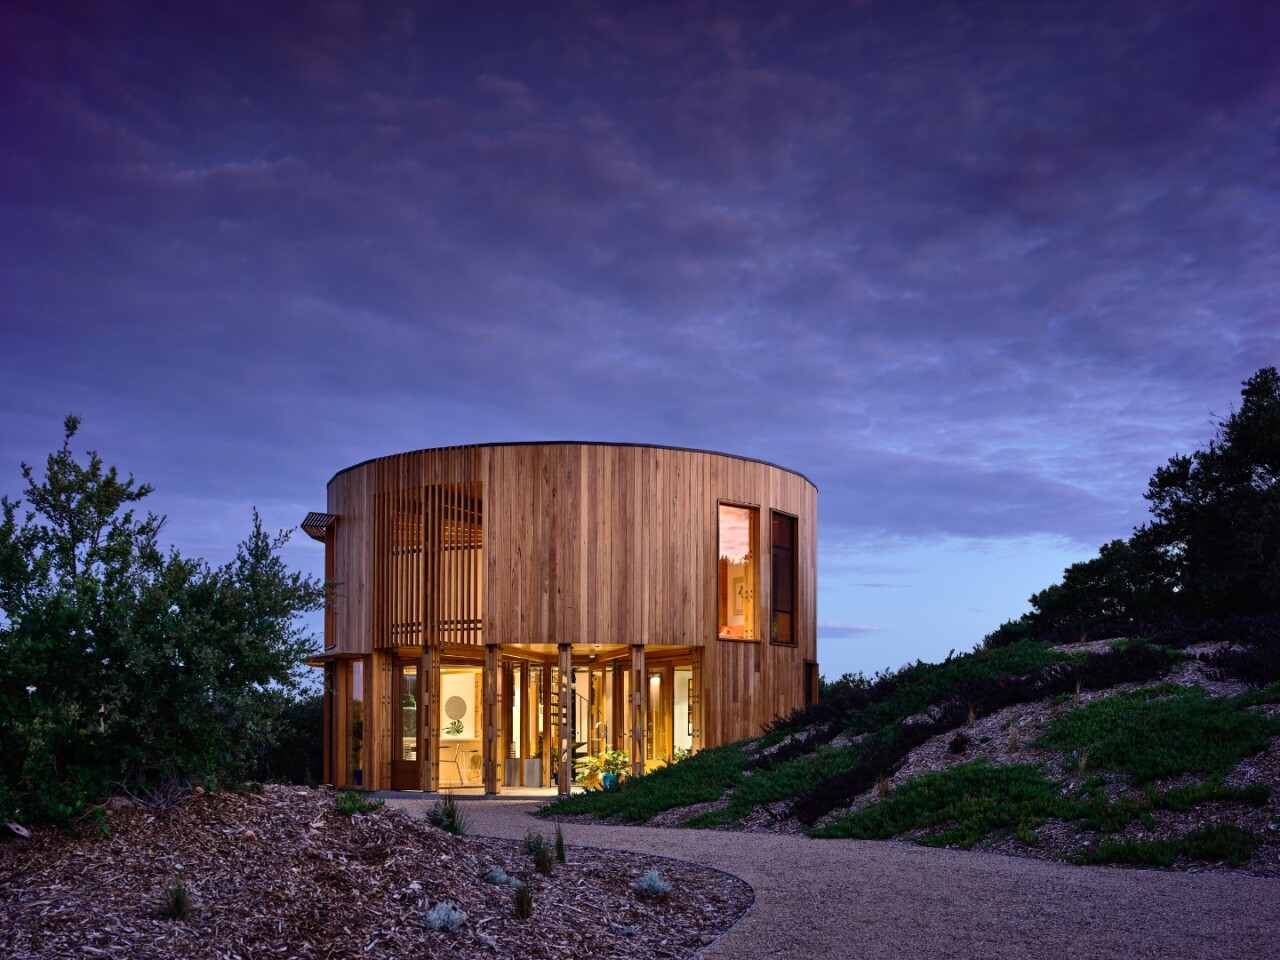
(427, 546)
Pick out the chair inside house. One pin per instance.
(456, 760)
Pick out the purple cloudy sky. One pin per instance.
(974, 268)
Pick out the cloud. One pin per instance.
(974, 271)
(840, 631)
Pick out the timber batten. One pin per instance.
(569, 597)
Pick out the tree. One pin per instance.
(1129, 580)
(125, 665)
(1211, 549)
(1217, 512)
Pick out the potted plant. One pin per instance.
(591, 769)
(613, 764)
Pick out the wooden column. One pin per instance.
(618, 719)
(331, 737)
(663, 719)
(509, 675)
(490, 718)
(548, 739)
(564, 735)
(639, 686)
(695, 702)
(527, 713)
(429, 720)
(378, 750)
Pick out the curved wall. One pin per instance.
(571, 543)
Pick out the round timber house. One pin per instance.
(498, 613)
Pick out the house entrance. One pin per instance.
(461, 747)
(456, 724)
(404, 727)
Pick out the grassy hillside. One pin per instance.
(1156, 748)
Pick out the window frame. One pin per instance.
(755, 577)
(795, 578)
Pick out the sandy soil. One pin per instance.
(847, 898)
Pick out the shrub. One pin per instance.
(1215, 843)
(535, 844)
(497, 876)
(445, 917)
(177, 902)
(523, 897)
(968, 801)
(350, 802)
(295, 753)
(1007, 634)
(1254, 656)
(446, 815)
(652, 885)
(560, 853)
(1161, 731)
(704, 776)
(123, 663)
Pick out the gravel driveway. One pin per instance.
(848, 898)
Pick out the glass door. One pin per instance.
(405, 773)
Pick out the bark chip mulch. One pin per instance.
(283, 873)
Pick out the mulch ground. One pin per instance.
(283, 873)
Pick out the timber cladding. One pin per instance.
(572, 543)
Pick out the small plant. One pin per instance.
(652, 885)
(497, 876)
(1082, 761)
(1014, 740)
(960, 743)
(523, 898)
(542, 860)
(883, 787)
(532, 840)
(448, 816)
(453, 729)
(444, 916)
(560, 855)
(177, 902)
(535, 844)
(350, 802)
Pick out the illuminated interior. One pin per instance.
(737, 587)
(461, 747)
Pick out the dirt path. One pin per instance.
(844, 898)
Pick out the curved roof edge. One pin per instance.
(582, 443)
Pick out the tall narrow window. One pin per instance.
(330, 595)
(783, 537)
(355, 723)
(737, 589)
